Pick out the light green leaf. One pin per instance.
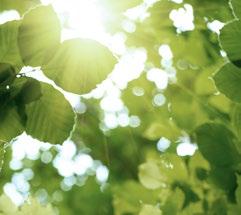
(51, 118)
(221, 102)
(228, 81)
(162, 172)
(150, 210)
(230, 41)
(151, 176)
(39, 34)
(79, 65)
(217, 144)
(9, 52)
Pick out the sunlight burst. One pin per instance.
(80, 18)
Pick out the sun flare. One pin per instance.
(80, 18)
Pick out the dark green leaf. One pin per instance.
(217, 144)
(230, 41)
(228, 81)
(26, 90)
(236, 120)
(7, 75)
(223, 178)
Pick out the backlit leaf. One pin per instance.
(51, 118)
(9, 51)
(79, 65)
(39, 34)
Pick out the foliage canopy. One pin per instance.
(187, 94)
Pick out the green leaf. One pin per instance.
(236, 120)
(230, 41)
(198, 168)
(151, 176)
(9, 51)
(220, 102)
(236, 6)
(51, 118)
(39, 34)
(236, 208)
(186, 111)
(7, 76)
(25, 90)
(219, 206)
(217, 144)
(228, 81)
(160, 173)
(80, 64)
(10, 124)
(223, 178)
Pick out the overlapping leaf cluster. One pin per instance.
(74, 65)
